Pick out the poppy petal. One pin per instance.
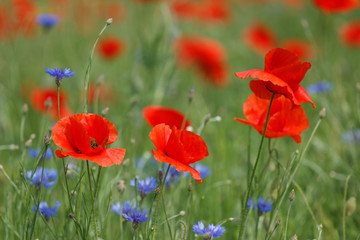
(159, 135)
(81, 138)
(105, 158)
(187, 146)
(161, 157)
(62, 136)
(155, 115)
(287, 66)
(302, 96)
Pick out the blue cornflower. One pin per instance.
(204, 170)
(145, 186)
(351, 136)
(34, 153)
(135, 215)
(212, 230)
(132, 214)
(262, 205)
(59, 74)
(47, 20)
(320, 87)
(116, 208)
(49, 177)
(46, 210)
(173, 175)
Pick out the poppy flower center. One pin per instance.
(93, 143)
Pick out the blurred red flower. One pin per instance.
(39, 96)
(285, 119)
(155, 115)
(106, 93)
(336, 6)
(350, 33)
(206, 10)
(206, 54)
(282, 75)
(299, 47)
(85, 136)
(213, 10)
(25, 13)
(178, 148)
(111, 47)
(259, 37)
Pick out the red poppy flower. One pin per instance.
(40, 95)
(336, 6)
(184, 9)
(213, 10)
(106, 93)
(299, 47)
(285, 119)
(282, 75)
(178, 148)
(25, 14)
(85, 136)
(259, 37)
(155, 115)
(207, 55)
(111, 47)
(350, 33)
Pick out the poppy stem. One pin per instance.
(244, 209)
(158, 201)
(63, 160)
(92, 200)
(58, 101)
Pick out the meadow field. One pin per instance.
(179, 119)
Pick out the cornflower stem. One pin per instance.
(291, 178)
(287, 220)
(22, 126)
(88, 69)
(158, 201)
(58, 101)
(244, 210)
(344, 208)
(63, 160)
(92, 200)
(166, 217)
(257, 226)
(249, 156)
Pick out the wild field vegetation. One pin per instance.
(146, 88)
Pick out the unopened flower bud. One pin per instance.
(191, 94)
(292, 195)
(13, 147)
(358, 86)
(157, 191)
(105, 111)
(350, 206)
(48, 103)
(121, 186)
(71, 215)
(160, 175)
(25, 109)
(294, 237)
(47, 140)
(322, 113)
(100, 79)
(109, 21)
(182, 213)
(73, 192)
(190, 187)
(28, 143)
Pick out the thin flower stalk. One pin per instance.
(158, 201)
(244, 210)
